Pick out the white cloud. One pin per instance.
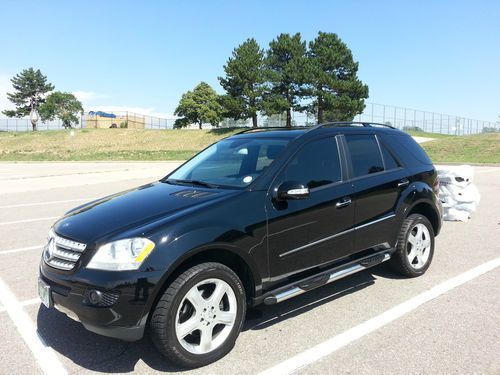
(86, 96)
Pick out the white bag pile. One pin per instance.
(457, 193)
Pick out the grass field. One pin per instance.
(130, 144)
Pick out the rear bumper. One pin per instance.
(124, 316)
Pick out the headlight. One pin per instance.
(122, 255)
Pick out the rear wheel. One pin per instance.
(415, 247)
(200, 315)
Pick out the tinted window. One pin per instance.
(389, 159)
(406, 149)
(316, 164)
(365, 154)
(412, 146)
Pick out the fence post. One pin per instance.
(432, 126)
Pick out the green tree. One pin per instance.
(286, 73)
(62, 105)
(199, 106)
(244, 82)
(30, 87)
(338, 94)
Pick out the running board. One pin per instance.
(326, 277)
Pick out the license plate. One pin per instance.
(44, 293)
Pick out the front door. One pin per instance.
(314, 231)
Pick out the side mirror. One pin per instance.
(292, 190)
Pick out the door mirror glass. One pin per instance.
(292, 190)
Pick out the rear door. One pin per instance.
(303, 234)
(378, 179)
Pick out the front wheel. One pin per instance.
(415, 247)
(200, 315)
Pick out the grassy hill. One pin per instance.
(106, 144)
(139, 144)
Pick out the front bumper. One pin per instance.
(123, 316)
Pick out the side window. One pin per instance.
(365, 154)
(389, 159)
(316, 164)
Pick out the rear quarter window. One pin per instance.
(407, 149)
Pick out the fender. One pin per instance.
(417, 193)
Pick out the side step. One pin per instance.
(326, 277)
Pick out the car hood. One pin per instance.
(132, 209)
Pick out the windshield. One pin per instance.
(233, 163)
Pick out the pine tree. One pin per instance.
(244, 82)
(338, 93)
(286, 72)
(30, 87)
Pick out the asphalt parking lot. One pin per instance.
(446, 322)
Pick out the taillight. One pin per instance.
(435, 186)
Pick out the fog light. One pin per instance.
(95, 297)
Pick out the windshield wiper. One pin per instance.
(193, 182)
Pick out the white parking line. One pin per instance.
(29, 220)
(47, 203)
(44, 355)
(28, 302)
(20, 249)
(345, 338)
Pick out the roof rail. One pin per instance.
(262, 128)
(349, 123)
(309, 128)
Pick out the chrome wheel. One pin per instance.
(418, 246)
(206, 316)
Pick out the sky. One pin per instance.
(441, 56)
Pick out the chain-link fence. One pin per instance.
(399, 117)
(432, 122)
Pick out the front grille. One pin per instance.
(62, 253)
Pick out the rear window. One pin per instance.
(365, 154)
(407, 149)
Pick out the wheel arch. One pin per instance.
(426, 209)
(218, 254)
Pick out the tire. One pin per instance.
(191, 304)
(415, 247)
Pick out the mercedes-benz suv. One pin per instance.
(259, 217)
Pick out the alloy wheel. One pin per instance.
(418, 246)
(206, 316)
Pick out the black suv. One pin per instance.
(259, 217)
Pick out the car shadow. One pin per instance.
(102, 354)
(94, 352)
(262, 316)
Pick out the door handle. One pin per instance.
(404, 182)
(343, 203)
